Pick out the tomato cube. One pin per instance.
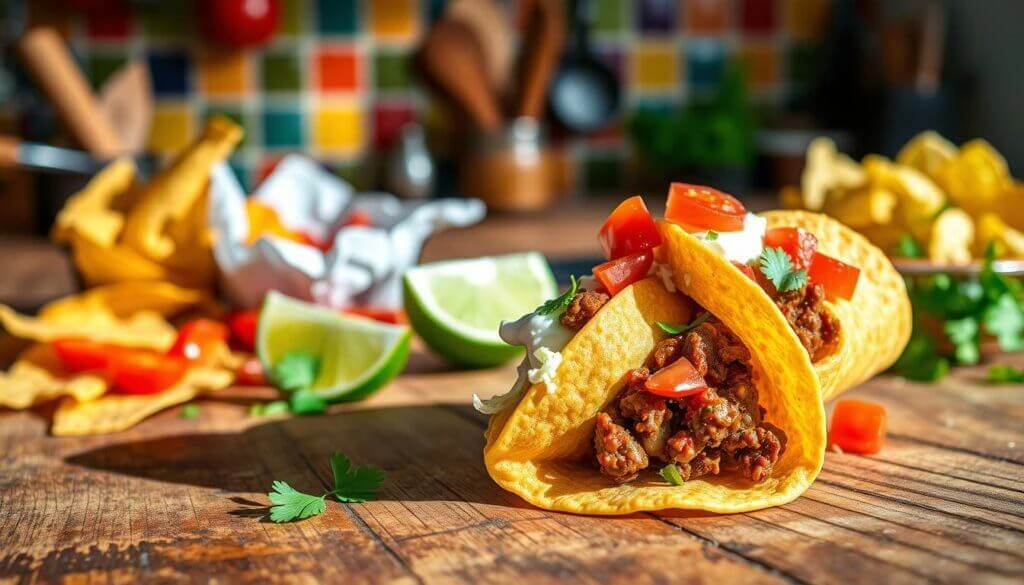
(797, 242)
(838, 278)
(628, 230)
(617, 274)
(858, 426)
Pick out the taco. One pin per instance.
(690, 371)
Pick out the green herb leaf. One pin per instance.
(269, 408)
(354, 484)
(190, 411)
(296, 370)
(290, 504)
(1005, 320)
(670, 473)
(303, 401)
(963, 333)
(1005, 374)
(711, 236)
(908, 247)
(920, 360)
(561, 302)
(679, 329)
(777, 266)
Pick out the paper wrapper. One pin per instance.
(365, 264)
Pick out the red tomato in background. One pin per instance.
(250, 373)
(139, 371)
(797, 242)
(628, 230)
(240, 23)
(393, 316)
(617, 274)
(199, 339)
(699, 208)
(79, 355)
(243, 326)
(676, 380)
(838, 278)
(858, 426)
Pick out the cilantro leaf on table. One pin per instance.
(560, 302)
(908, 247)
(670, 473)
(190, 411)
(680, 329)
(1005, 374)
(296, 370)
(269, 408)
(777, 266)
(354, 484)
(290, 504)
(303, 401)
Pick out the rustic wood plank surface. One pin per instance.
(182, 501)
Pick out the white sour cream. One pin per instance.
(744, 246)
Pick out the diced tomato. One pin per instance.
(699, 208)
(858, 426)
(80, 355)
(615, 275)
(747, 270)
(393, 316)
(676, 380)
(250, 373)
(139, 371)
(800, 244)
(838, 278)
(199, 339)
(360, 218)
(628, 230)
(243, 328)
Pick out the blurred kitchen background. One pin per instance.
(425, 98)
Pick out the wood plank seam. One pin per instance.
(956, 448)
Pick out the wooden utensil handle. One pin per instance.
(48, 60)
(8, 152)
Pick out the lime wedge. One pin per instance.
(457, 306)
(357, 355)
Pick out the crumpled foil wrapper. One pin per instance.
(365, 265)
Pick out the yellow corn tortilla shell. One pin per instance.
(114, 412)
(124, 299)
(144, 329)
(96, 213)
(541, 449)
(39, 377)
(173, 194)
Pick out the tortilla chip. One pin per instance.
(124, 299)
(103, 265)
(927, 152)
(114, 412)
(175, 191)
(991, 228)
(39, 377)
(827, 170)
(977, 178)
(951, 238)
(94, 212)
(145, 329)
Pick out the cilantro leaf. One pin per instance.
(190, 411)
(354, 484)
(679, 329)
(908, 247)
(561, 302)
(269, 408)
(963, 334)
(670, 473)
(1005, 374)
(290, 504)
(303, 401)
(711, 236)
(777, 266)
(296, 370)
(1005, 320)
(920, 360)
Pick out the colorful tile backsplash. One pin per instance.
(337, 82)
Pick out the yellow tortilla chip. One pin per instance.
(115, 412)
(927, 152)
(145, 329)
(99, 265)
(124, 299)
(991, 228)
(95, 213)
(952, 236)
(827, 170)
(39, 377)
(977, 178)
(872, 205)
(919, 198)
(174, 192)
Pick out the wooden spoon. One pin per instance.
(127, 101)
(488, 23)
(544, 42)
(452, 60)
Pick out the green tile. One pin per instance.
(100, 67)
(392, 71)
(281, 72)
(603, 173)
(242, 172)
(610, 15)
(291, 17)
(166, 20)
(283, 128)
(236, 115)
(335, 17)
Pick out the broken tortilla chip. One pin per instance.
(122, 300)
(96, 213)
(115, 412)
(145, 329)
(39, 377)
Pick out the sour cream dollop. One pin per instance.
(744, 246)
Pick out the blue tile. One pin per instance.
(282, 128)
(336, 17)
(705, 64)
(656, 16)
(170, 73)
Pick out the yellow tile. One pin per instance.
(656, 66)
(806, 19)
(338, 129)
(223, 72)
(762, 64)
(173, 128)
(397, 20)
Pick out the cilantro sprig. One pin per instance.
(670, 473)
(351, 485)
(1005, 374)
(295, 372)
(680, 329)
(562, 301)
(777, 266)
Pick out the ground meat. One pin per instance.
(713, 349)
(650, 412)
(714, 420)
(667, 351)
(706, 463)
(618, 453)
(754, 452)
(583, 307)
(681, 447)
(816, 328)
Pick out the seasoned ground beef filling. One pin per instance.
(583, 307)
(719, 430)
(804, 308)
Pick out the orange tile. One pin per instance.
(762, 64)
(338, 129)
(338, 69)
(223, 72)
(806, 20)
(173, 128)
(656, 66)
(396, 20)
(706, 16)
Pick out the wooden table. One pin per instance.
(176, 500)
